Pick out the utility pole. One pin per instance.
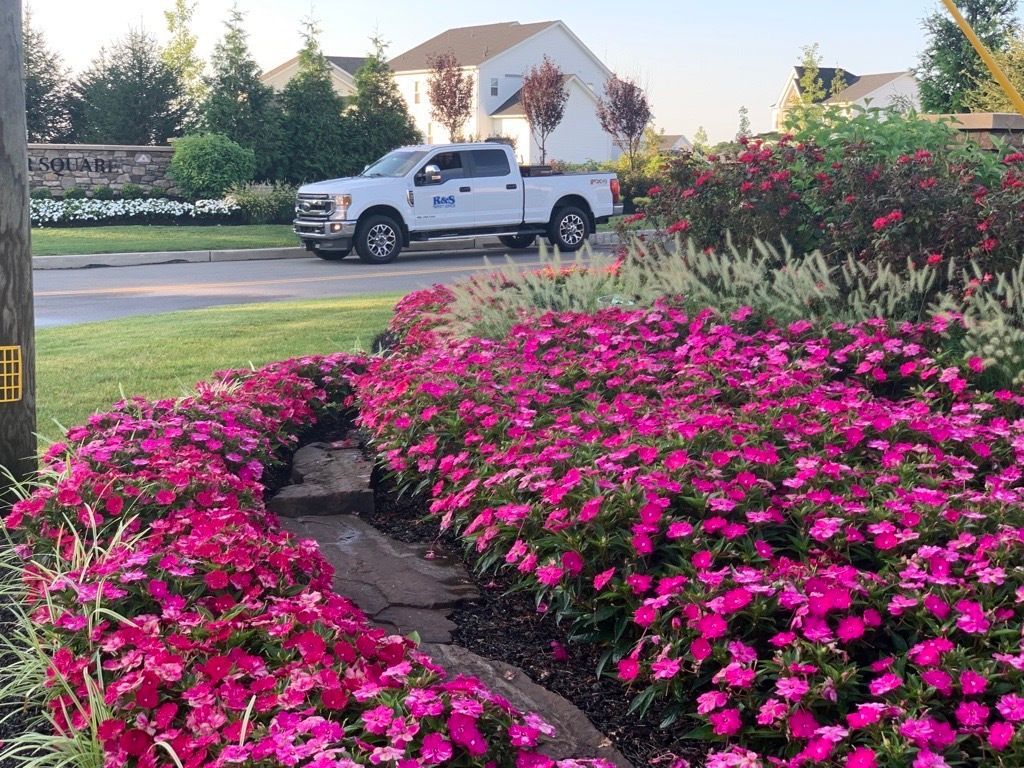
(17, 339)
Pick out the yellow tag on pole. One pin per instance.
(10, 374)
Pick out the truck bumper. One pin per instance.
(617, 210)
(329, 235)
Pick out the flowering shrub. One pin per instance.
(57, 213)
(187, 629)
(810, 542)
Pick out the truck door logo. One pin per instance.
(444, 201)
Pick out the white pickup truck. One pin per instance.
(451, 191)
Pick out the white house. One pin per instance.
(674, 143)
(884, 89)
(498, 56)
(342, 69)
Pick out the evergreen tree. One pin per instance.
(949, 67)
(180, 53)
(312, 130)
(381, 119)
(47, 88)
(128, 96)
(700, 140)
(812, 89)
(744, 127)
(238, 105)
(988, 95)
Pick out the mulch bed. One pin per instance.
(506, 626)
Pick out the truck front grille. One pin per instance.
(314, 206)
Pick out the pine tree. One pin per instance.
(381, 118)
(237, 103)
(128, 96)
(949, 67)
(812, 89)
(47, 87)
(744, 127)
(312, 129)
(180, 53)
(988, 95)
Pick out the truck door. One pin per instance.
(497, 189)
(449, 204)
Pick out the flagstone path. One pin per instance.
(407, 588)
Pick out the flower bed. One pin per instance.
(182, 627)
(61, 213)
(811, 542)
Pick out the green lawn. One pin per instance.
(62, 241)
(85, 368)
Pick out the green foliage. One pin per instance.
(132, 192)
(312, 130)
(380, 121)
(43, 193)
(265, 203)
(74, 193)
(103, 193)
(744, 126)
(838, 84)
(47, 87)
(205, 165)
(987, 95)
(949, 66)
(180, 55)
(128, 96)
(238, 104)
(700, 142)
(812, 90)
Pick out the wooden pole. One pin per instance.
(986, 56)
(17, 333)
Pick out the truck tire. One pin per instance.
(569, 229)
(517, 242)
(378, 240)
(336, 255)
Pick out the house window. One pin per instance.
(494, 86)
(416, 91)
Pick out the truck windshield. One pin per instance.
(394, 164)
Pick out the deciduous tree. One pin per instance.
(838, 84)
(47, 87)
(128, 96)
(544, 97)
(624, 113)
(744, 126)
(180, 54)
(700, 140)
(450, 90)
(988, 95)
(237, 103)
(812, 89)
(949, 67)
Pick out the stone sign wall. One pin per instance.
(59, 167)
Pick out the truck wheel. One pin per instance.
(568, 230)
(517, 242)
(336, 255)
(378, 240)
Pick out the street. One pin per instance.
(69, 296)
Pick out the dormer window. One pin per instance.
(494, 86)
(416, 91)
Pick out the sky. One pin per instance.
(700, 60)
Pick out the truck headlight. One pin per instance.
(341, 206)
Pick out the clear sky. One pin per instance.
(700, 60)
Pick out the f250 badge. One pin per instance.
(444, 201)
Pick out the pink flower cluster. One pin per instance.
(219, 638)
(809, 539)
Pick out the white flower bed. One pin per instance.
(50, 212)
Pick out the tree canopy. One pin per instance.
(544, 98)
(624, 114)
(47, 87)
(450, 91)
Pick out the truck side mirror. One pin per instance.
(431, 174)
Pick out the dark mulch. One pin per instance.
(506, 626)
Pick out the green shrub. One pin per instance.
(103, 193)
(43, 193)
(204, 166)
(74, 193)
(265, 203)
(132, 192)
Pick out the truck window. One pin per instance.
(490, 162)
(450, 164)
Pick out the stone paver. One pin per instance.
(405, 588)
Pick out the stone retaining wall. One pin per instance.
(59, 167)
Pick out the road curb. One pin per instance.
(83, 261)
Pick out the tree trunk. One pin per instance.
(17, 340)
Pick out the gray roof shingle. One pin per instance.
(471, 45)
(350, 64)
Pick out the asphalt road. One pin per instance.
(69, 296)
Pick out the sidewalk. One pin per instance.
(256, 254)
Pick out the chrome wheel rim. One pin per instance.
(381, 240)
(571, 229)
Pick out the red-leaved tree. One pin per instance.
(544, 97)
(624, 114)
(450, 91)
